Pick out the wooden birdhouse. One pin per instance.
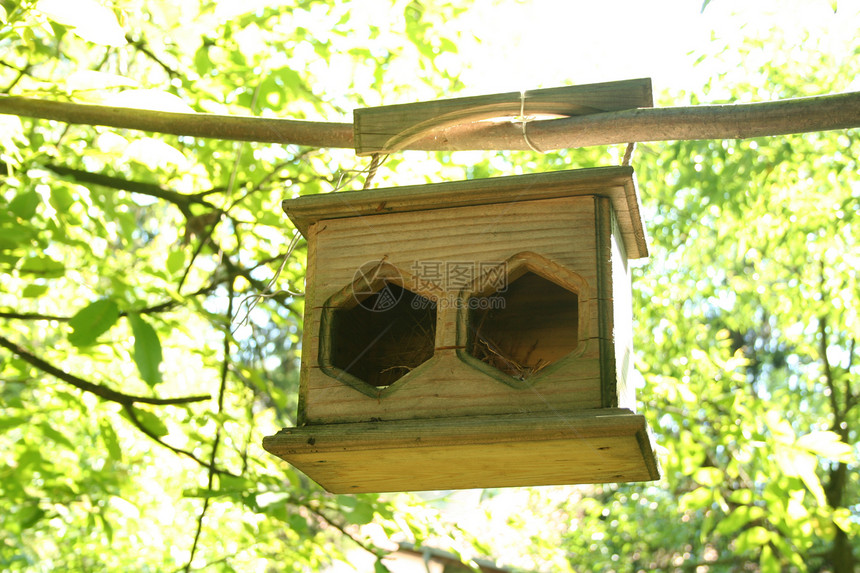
(470, 334)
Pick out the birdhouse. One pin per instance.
(470, 334)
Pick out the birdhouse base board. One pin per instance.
(594, 446)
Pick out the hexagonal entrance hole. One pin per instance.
(385, 336)
(521, 331)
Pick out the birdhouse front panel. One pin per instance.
(441, 309)
(520, 283)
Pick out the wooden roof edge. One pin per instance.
(616, 182)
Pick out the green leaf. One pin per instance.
(42, 266)
(697, 499)
(708, 476)
(111, 441)
(738, 518)
(768, 561)
(780, 427)
(92, 321)
(806, 464)
(25, 204)
(361, 515)
(61, 198)
(297, 523)
(55, 435)
(89, 20)
(34, 290)
(842, 519)
(147, 349)
(151, 422)
(346, 501)
(379, 567)
(9, 422)
(752, 538)
(202, 64)
(827, 445)
(175, 261)
(29, 515)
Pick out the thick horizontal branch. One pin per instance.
(730, 121)
(101, 391)
(234, 128)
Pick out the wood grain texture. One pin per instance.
(602, 446)
(622, 320)
(561, 230)
(617, 183)
(386, 129)
(603, 263)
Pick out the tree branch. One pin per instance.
(225, 369)
(101, 391)
(841, 555)
(160, 307)
(828, 374)
(234, 128)
(730, 121)
(143, 47)
(32, 316)
(21, 73)
(147, 432)
(850, 396)
(373, 550)
(183, 202)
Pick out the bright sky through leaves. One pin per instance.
(544, 43)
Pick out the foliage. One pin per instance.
(141, 367)
(748, 320)
(134, 394)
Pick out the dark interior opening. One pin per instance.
(524, 329)
(385, 336)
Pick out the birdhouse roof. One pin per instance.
(616, 183)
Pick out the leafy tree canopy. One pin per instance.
(152, 312)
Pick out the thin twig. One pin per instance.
(143, 48)
(373, 550)
(155, 309)
(129, 410)
(21, 73)
(225, 369)
(101, 391)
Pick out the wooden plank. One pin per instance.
(491, 451)
(617, 183)
(622, 321)
(447, 387)
(603, 286)
(561, 230)
(391, 128)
